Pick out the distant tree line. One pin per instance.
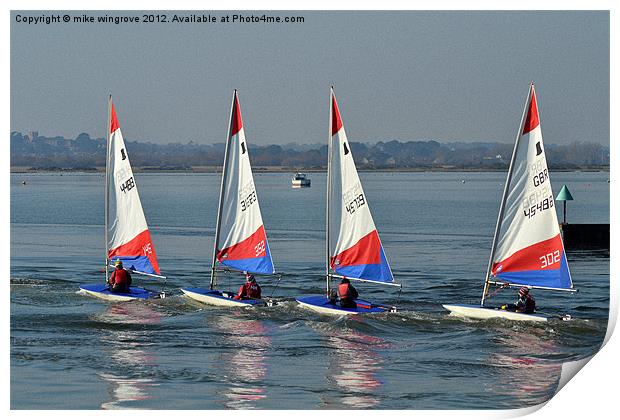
(84, 152)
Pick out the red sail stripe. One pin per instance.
(113, 120)
(366, 251)
(532, 121)
(141, 245)
(529, 259)
(253, 246)
(336, 120)
(237, 122)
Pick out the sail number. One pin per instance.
(248, 201)
(545, 204)
(259, 248)
(247, 196)
(355, 204)
(537, 202)
(127, 185)
(147, 249)
(124, 179)
(549, 259)
(353, 198)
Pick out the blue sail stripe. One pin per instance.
(559, 278)
(261, 265)
(138, 263)
(375, 272)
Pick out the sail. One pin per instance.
(529, 249)
(242, 243)
(355, 250)
(128, 235)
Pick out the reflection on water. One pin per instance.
(526, 375)
(354, 365)
(127, 354)
(124, 390)
(244, 366)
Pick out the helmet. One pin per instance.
(118, 263)
(524, 291)
(250, 277)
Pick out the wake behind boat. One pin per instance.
(127, 238)
(240, 240)
(527, 250)
(355, 252)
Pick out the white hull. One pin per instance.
(326, 311)
(211, 300)
(478, 312)
(108, 296)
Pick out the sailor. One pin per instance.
(250, 289)
(347, 294)
(120, 280)
(525, 304)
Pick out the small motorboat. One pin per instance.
(300, 180)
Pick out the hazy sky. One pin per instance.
(411, 75)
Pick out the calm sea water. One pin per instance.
(72, 351)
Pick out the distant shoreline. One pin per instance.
(279, 169)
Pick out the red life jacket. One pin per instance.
(250, 290)
(343, 291)
(120, 277)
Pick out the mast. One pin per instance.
(500, 216)
(329, 186)
(107, 187)
(221, 202)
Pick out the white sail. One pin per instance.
(355, 250)
(529, 245)
(128, 236)
(241, 242)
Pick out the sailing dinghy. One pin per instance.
(240, 239)
(127, 238)
(353, 247)
(527, 248)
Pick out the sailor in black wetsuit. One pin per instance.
(525, 304)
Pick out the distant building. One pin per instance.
(32, 136)
(497, 158)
